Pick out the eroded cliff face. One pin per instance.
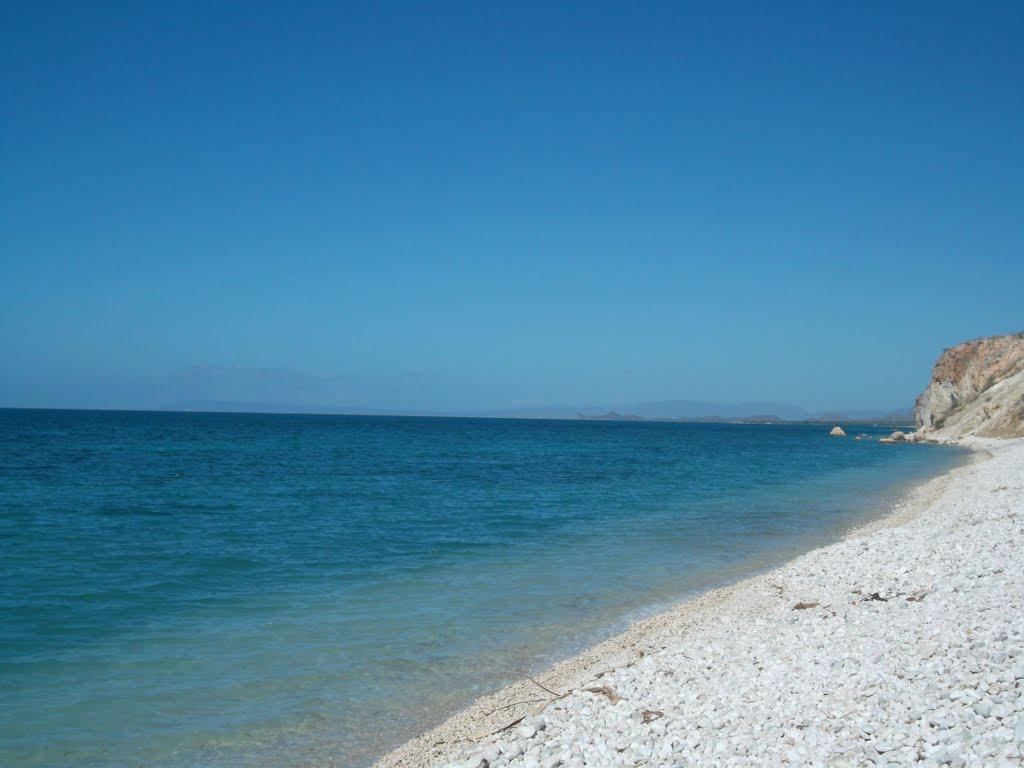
(977, 388)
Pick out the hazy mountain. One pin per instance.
(696, 410)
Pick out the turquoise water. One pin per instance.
(271, 590)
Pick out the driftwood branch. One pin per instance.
(541, 685)
(555, 696)
(514, 723)
(513, 704)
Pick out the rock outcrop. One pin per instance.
(977, 389)
(899, 437)
(837, 431)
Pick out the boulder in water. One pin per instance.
(837, 431)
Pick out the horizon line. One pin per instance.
(753, 420)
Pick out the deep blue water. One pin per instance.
(273, 590)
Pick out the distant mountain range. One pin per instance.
(664, 410)
(698, 410)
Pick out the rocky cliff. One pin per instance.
(977, 388)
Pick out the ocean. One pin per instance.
(183, 589)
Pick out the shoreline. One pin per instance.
(481, 730)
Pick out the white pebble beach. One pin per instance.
(902, 644)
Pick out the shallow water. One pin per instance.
(228, 590)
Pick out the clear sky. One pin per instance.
(484, 205)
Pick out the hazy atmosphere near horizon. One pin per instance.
(476, 208)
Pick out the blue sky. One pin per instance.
(458, 206)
